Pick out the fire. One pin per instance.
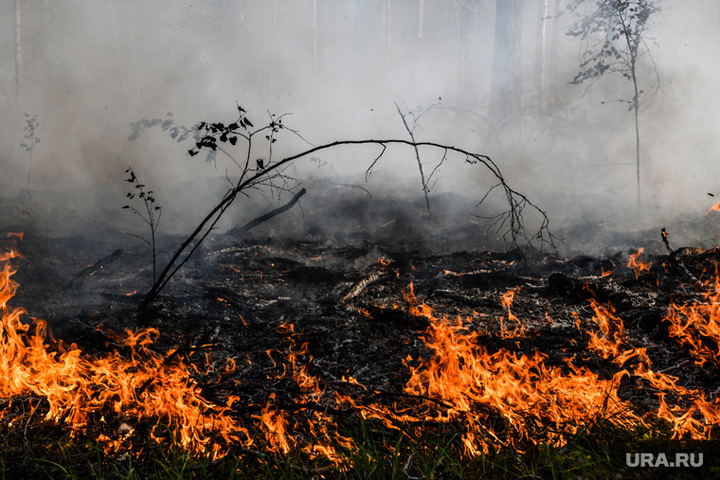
(495, 398)
(523, 389)
(519, 387)
(697, 325)
(507, 301)
(81, 390)
(714, 208)
(317, 424)
(639, 266)
(612, 333)
(692, 415)
(275, 424)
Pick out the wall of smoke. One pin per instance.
(90, 68)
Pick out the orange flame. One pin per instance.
(714, 208)
(697, 325)
(639, 266)
(461, 381)
(79, 389)
(520, 388)
(507, 301)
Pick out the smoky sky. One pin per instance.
(90, 68)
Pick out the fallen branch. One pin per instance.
(273, 213)
(675, 260)
(363, 284)
(92, 269)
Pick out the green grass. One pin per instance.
(379, 453)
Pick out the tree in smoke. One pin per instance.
(18, 52)
(621, 26)
(30, 141)
(505, 98)
(410, 129)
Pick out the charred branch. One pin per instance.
(92, 269)
(271, 214)
(363, 284)
(678, 263)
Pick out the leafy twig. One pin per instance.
(151, 215)
(411, 132)
(30, 140)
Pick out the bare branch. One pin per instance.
(271, 174)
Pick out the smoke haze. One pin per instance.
(91, 68)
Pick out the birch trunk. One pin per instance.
(18, 55)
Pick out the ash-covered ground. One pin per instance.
(345, 291)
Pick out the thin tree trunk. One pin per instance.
(637, 142)
(505, 91)
(541, 54)
(635, 103)
(113, 25)
(421, 18)
(274, 23)
(636, 109)
(314, 46)
(388, 38)
(18, 54)
(47, 13)
(555, 40)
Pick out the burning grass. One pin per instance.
(474, 403)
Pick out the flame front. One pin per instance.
(495, 399)
(521, 389)
(697, 325)
(81, 389)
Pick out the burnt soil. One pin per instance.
(237, 297)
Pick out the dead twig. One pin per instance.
(674, 367)
(414, 396)
(675, 260)
(30, 417)
(92, 269)
(273, 213)
(411, 133)
(363, 284)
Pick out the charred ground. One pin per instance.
(252, 298)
